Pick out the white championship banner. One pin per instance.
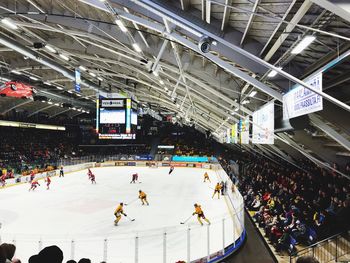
(244, 131)
(300, 100)
(264, 124)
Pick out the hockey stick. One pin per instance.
(128, 203)
(132, 220)
(186, 220)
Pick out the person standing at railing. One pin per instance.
(200, 214)
(61, 172)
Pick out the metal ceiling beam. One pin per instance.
(315, 120)
(339, 7)
(226, 15)
(250, 20)
(290, 27)
(338, 80)
(284, 138)
(160, 54)
(208, 11)
(278, 26)
(185, 4)
(44, 61)
(188, 25)
(228, 67)
(186, 75)
(203, 9)
(40, 110)
(58, 113)
(17, 106)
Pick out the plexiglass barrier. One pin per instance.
(188, 242)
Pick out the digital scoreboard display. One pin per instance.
(116, 118)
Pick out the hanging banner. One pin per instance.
(228, 135)
(234, 138)
(264, 124)
(244, 131)
(300, 101)
(77, 80)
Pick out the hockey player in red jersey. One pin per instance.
(32, 176)
(34, 185)
(89, 173)
(3, 180)
(92, 178)
(135, 177)
(48, 182)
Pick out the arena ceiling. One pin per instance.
(167, 72)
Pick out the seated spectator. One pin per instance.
(9, 251)
(2, 255)
(52, 254)
(307, 259)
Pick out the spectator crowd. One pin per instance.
(51, 254)
(295, 205)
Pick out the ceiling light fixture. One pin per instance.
(83, 68)
(4, 79)
(161, 82)
(303, 44)
(69, 91)
(33, 78)
(92, 74)
(136, 47)
(253, 93)
(121, 25)
(16, 72)
(273, 73)
(9, 23)
(64, 57)
(58, 87)
(51, 49)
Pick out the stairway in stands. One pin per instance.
(333, 249)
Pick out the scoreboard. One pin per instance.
(116, 118)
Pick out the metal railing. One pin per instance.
(333, 249)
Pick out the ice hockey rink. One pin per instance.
(78, 216)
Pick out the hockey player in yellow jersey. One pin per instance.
(143, 197)
(199, 212)
(118, 213)
(217, 190)
(206, 177)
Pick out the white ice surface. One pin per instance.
(74, 209)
